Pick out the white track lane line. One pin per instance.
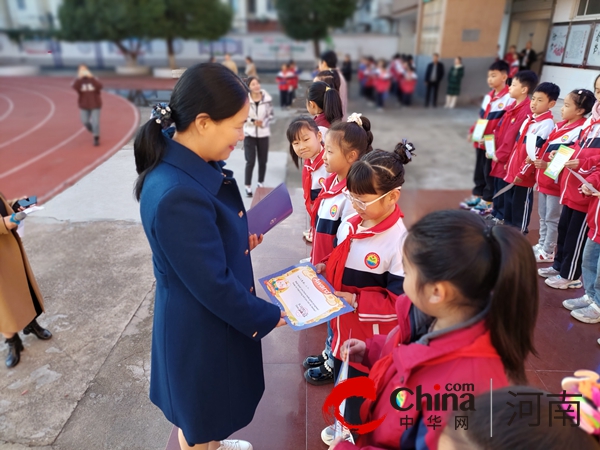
(11, 106)
(41, 124)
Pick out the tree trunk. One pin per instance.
(316, 48)
(130, 56)
(171, 53)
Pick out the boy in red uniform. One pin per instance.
(522, 85)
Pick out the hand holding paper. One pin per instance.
(559, 161)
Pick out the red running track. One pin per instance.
(44, 148)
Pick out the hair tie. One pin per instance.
(580, 92)
(327, 88)
(408, 148)
(355, 117)
(160, 111)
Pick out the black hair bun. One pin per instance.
(405, 151)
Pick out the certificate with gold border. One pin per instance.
(305, 296)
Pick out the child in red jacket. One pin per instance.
(478, 285)
(577, 104)
(518, 201)
(572, 229)
(505, 135)
(383, 83)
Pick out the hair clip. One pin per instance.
(408, 148)
(580, 92)
(160, 111)
(355, 117)
(327, 88)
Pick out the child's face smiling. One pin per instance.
(307, 144)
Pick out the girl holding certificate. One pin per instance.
(206, 312)
(365, 267)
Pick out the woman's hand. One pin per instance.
(540, 164)
(9, 225)
(572, 164)
(354, 349)
(254, 241)
(350, 298)
(258, 123)
(282, 321)
(321, 268)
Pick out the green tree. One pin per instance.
(198, 19)
(311, 20)
(124, 22)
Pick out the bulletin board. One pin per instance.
(577, 44)
(557, 43)
(593, 58)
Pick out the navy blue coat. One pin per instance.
(207, 371)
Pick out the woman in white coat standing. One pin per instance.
(256, 133)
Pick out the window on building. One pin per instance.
(588, 7)
(234, 5)
(251, 6)
(270, 5)
(21, 4)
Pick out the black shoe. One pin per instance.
(96, 141)
(15, 347)
(318, 376)
(36, 329)
(315, 360)
(89, 127)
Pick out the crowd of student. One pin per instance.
(517, 127)
(457, 294)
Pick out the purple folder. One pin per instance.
(271, 210)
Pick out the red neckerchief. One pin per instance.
(310, 167)
(531, 120)
(564, 127)
(506, 118)
(586, 131)
(329, 190)
(495, 96)
(339, 255)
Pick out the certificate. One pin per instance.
(561, 157)
(305, 296)
(584, 182)
(479, 130)
(490, 145)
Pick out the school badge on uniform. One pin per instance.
(500, 105)
(372, 260)
(333, 211)
(565, 138)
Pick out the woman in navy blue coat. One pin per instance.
(207, 372)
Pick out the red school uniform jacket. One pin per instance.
(464, 355)
(321, 121)
(593, 215)
(566, 134)
(329, 209)
(383, 81)
(587, 149)
(538, 128)
(492, 109)
(314, 175)
(283, 80)
(506, 134)
(363, 259)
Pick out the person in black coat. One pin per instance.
(207, 368)
(347, 68)
(433, 76)
(527, 57)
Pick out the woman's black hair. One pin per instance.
(380, 171)
(293, 132)
(209, 88)
(250, 80)
(351, 136)
(327, 99)
(583, 99)
(511, 430)
(491, 267)
(249, 58)
(331, 77)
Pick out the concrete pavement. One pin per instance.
(88, 386)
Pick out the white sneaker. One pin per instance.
(535, 248)
(558, 282)
(589, 314)
(259, 185)
(234, 444)
(548, 272)
(576, 303)
(542, 257)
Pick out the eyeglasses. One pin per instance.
(363, 205)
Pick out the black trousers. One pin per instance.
(484, 182)
(572, 234)
(498, 211)
(284, 98)
(380, 99)
(353, 404)
(432, 91)
(256, 146)
(518, 203)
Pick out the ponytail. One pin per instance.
(332, 106)
(149, 148)
(491, 269)
(514, 304)
(327, 99)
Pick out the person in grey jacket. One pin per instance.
(256, 133)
